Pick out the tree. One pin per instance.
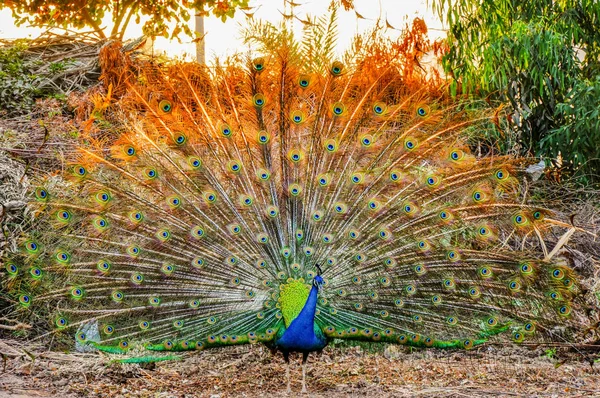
(200, 42)
(90, 13)
(540, 56)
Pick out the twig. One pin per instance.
(17, 325)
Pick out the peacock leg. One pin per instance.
(286, 356)
(304, 358)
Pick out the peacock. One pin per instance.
(290, 200)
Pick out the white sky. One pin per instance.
(224, 38)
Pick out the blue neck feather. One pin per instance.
(300, 335)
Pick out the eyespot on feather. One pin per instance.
(165, 106)
(379, 108)
(258, 64)
(338, 109)
(336, 68)
(259, 100)
(297, 117)
(304, 81)
(422, 110)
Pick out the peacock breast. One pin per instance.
(298, 338)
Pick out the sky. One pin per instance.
(224, 39)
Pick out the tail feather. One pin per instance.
(223, 185)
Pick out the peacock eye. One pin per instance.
(557, 273)
(336, 68)
(41, 193)
(457, 155)
(258, 64)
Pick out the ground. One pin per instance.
(350, 371)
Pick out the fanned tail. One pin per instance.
(222, 186)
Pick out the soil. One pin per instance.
(250, 371)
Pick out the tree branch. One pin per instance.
(122, 30)
(92, 23)
(17, 325)
(119, 13)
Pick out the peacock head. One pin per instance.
(318, 281)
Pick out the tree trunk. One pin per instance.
(200, 43)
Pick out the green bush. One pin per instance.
(542, 59)
(17, 81)
(579, 134)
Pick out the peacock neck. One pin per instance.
(306, 318)
(310, 307)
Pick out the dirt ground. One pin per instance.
(338, 372)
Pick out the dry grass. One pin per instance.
(254, 371)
